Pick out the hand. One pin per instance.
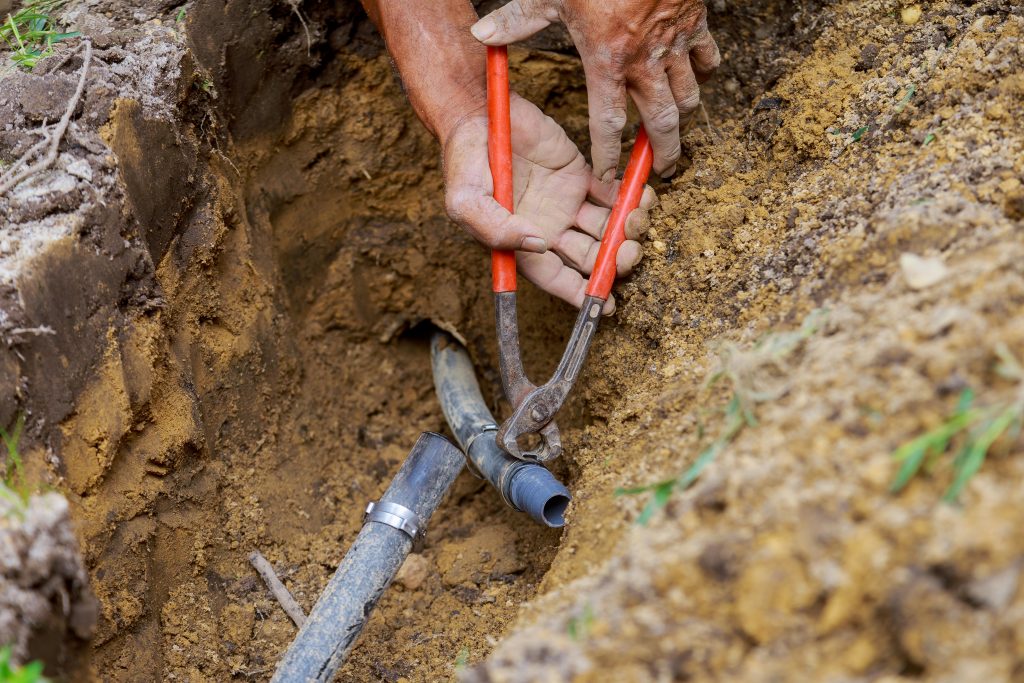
(657, 50)
(560, 207)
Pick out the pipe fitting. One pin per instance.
(524, 486)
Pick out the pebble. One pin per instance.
(911, 15)
(413, 572)
(922, 272)
(659, 246)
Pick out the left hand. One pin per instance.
(556, 197)
(656, 50)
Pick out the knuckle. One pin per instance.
(611, 120)
(689, 102)
(665, 119)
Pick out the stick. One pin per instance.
(10, 179)
(277, 589)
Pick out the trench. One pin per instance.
(303, 275)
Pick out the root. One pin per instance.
(294, 4)
(10, 178)
(277, 589)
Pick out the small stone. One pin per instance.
(413, 572)
(921, 272)
(659, 246)
(868, 55)
(911, 15)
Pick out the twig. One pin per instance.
(10, 179)
(277, 589)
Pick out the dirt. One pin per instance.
(238, 300)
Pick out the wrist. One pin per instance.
(441, 65)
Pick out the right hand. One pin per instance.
(656, 50)
(561, 208)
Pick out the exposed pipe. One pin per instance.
(525, 486)
(392, 524)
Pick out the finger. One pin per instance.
(684, 86)
(649, 199)
(578, 250)
(518, 20)
(704, 56)
(549, 273)
(660, 113)
(638, 222)
(490, 223)
(628, 256)
(591, 219)
(606, 106)
(609, 305)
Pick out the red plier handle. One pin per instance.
(499, 152)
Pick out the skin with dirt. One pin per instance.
(263, 369)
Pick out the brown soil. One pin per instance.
(260, 365)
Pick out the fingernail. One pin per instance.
(639, 257)
(484, 29)
(534, 244)
(670, 172)
(608, 176)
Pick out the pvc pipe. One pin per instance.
(525, 486)
(331, 630)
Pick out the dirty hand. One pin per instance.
(657, 50)
(560, 207)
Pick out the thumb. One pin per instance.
(490, 223)
(518, 20)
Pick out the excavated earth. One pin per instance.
(216, 309)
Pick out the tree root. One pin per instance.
(51, 139)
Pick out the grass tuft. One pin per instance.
(31, 32)
(15, 488)
(756, 375)
(969, 432)
(30, 673)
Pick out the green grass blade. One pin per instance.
(975, 454)
(660, 498)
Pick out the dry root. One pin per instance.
(51, 139)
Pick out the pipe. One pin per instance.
(525, 486)
(325, 640)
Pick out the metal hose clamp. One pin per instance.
(399, 517)
(491, 427)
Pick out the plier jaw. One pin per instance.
(516, 384)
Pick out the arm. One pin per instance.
(656, 50)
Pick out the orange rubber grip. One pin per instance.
(632, 189)
(499, 153)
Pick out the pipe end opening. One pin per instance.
(554, 510)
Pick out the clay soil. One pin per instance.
(266, 368)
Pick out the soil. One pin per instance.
(240, 252)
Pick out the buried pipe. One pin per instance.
(391, 526)
(525, 486)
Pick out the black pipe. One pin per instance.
(525, 486)
(344, 607)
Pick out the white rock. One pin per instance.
(921, 272)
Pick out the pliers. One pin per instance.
(535, 407)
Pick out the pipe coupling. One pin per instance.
(399, 517)
(474, 470)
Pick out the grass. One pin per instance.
(756, 375)
(30, 673)
(967, 434)
(32, 31)
(14, 488)
(579, 627)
